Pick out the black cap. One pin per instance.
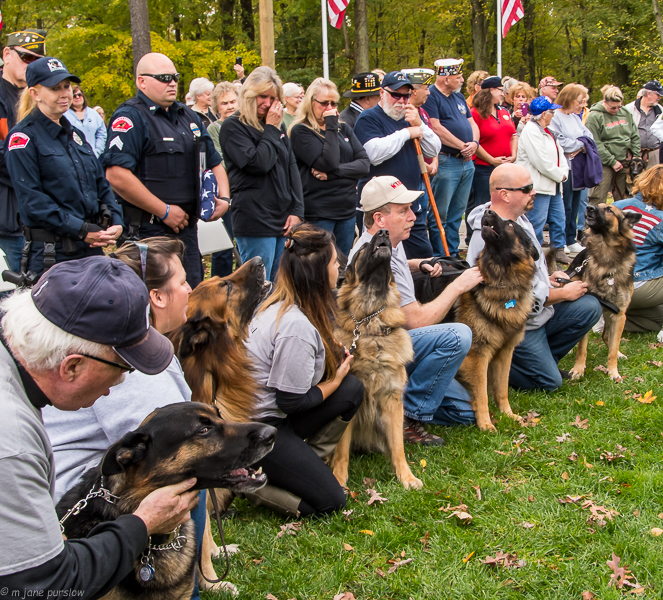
(28, 39)
(364, 84)
(654, 86)
(396, 79)
(48, 71)
(491, 82)
(102, 300)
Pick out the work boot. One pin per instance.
(415, 433)
(561, 257)
(277, 499)
(327, 437)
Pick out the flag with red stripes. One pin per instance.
(643, 226)
(512, 12)
(337, 12)
(1, 22)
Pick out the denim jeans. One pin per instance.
(343, 230)
(582, 207)
(199, 516)
(434, 234)
(12, 246)
(222, 262)
(432, 395)
(549, 209)
(572, 199)
(451, 187)
(418, 244)
(267, 248)
(479, 195)
(534, 364)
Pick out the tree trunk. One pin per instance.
(659, 21)
(226, 9)
(361, 37)
(479, 35)
(247, 19)
(348, 55)
(622, 71)
(422, 48)
(140, 30)
(266, 8)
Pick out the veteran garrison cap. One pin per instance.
(423, 76)
(28, 39)
(449, 66)
(364, 84)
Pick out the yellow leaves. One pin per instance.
(366, 531)
(470, 555)
(565, 476)
(422, 462)
(647, 398)
(600, 403)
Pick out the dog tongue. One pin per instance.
(239, 472)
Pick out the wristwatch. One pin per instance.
(228, 200)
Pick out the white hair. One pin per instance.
(291, 89)
(32, 337)
(538, 117)
(198, 87)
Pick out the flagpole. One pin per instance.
(325, 50)
(499, 38)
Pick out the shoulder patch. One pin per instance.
(195, 129)
(77, 138)
(122, 124)
(117, 142)
(17, 141)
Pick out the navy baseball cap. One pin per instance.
(102, 300)
(48, 71)
(491, 82)
(396, 79)
(542, 104)
(654, 86)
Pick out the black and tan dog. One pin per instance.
(496, 311)
(172, 444)
(606, 265)
(369, 305)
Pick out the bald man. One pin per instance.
(156, 152)
(562, 314)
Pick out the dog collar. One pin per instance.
(356, 333)
(102, 493)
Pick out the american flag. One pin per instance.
(512, 12)
(337, 12)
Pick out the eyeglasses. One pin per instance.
(25, 56)
(79, 95)
(125, 368)
(163, 78)
(327, 103)
(398, 96)
(526, 189)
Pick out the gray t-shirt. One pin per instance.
(289, 357)
(399, 267)
(29, 527)
(80, 438)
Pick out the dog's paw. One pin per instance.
(224, 586)
(232, 548)
(411, 482)
(486, 426)
(615, 376)
(514, 416)
(576, 373)
(215, 551)
(621, 356)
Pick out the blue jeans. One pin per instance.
(12, 246)
(534, 364)
(222, 262)
(434, 234)
(199, 516)
(479, 195)
(451, 187)
(549, 209)
(267, 248)
(418, 244)
(343, 230)
(572, 199)
(432, 394)
(582, 207)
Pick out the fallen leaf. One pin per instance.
(653, 346)
(380, 572)
(398, 565)
(573, 457)
(565, 476)
(347, 547)
(500, 452)
(656, 531)
(620, 575)
(375, 497)
(369, 482)
(478, 491)
(271, 597)
(587, 595)
(450, 508)
(570, 499)
(470, 555)
(531, 419)
(347, 513)
(354, 496)
(530, 498)
(526, 525)
(580, 423)
(345, 596)
(639, 379)
(647, 398)
(289, 529)
(656, 363)
(660, 515)
(636, 513)
(610, 456)
(601, 368)
(600, 403)
(505, 560)
(422, 462)
(366, 531)
(464, 517)
(563, 438)
(424, 541)
(637, 591)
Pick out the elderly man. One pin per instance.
(646, 113)
(562, 314)
(156, 152)
(387, 131)
(365, 94)
(66, 343)
(432, 394)
(549, 87)
(452, 121)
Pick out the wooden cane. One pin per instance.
(431, 198)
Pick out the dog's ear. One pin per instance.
(526, 241)
(630, 219)
(129, 450)
(350, 273)
(197, 333)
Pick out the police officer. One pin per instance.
(66, 206)
(156, 152)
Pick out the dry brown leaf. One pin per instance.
(347, 547)
(573, 457)
(660, 515)
(653, 346)
(271, 597)
(656, 363)
(563, 438)
(398, 565)
(478, 491)
(609, 456)
(587, 595)
(647, 398)
(369, 482)
(424, 541)
(565, 476)
(656, 531)
(500, 452)
(505, 560)
(375, 497)
(570, 499)
(289, 529)
(464, 517)
(526, 525)
(530, 498)
(580, 423)
(531, 419)
(636, 513)
(347, 513)
(637, 591)
(620, 575)
(601, 368)
(380, 572)
(257, 561)
(639, 379)
(450, 508)
(345, 596)
(354, 495)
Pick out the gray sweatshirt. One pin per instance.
(567, 129)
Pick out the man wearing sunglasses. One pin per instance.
(562, 313)
(156, 153)
(386, 131)
(23, 47)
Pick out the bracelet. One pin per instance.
(167, 211)
(477, 143)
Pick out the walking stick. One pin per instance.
(431, 198)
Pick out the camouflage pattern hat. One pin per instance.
(28, 39)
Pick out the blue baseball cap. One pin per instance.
(396, 79)
(542, 104)
(48, 71)
(102, 300)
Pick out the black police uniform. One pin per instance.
(60, 187)
(166, 150)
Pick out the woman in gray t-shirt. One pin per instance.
(305, 389)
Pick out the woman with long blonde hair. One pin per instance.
(262, 170)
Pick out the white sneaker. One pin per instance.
(566, 250)
(659, 337)
(575, 248)
(598, 328)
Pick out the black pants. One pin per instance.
(222, 262)
(293, 465)
(36, 258)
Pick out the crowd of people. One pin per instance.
(302, 186)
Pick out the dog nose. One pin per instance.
(264, 435)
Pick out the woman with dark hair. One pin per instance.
(88, 120)
(305, 389)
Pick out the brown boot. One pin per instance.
(561, 257)
(279, 500)
(327, 437)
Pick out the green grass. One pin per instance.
(564, 554)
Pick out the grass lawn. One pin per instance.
(521, 473)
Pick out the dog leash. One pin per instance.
(217, 515)
(356, 332)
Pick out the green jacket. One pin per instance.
(614, 134)
(214, 130)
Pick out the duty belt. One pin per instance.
(49, 239)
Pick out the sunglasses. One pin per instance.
(125, 368)
(526, 189)
(398, 96)
(164, 78)
(79, 95)
(327, 103)
(26, 57)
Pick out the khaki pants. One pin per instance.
(610, 179)
(645, 313)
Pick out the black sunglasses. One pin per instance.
(125, 368)
(526, 189)
(398, 96)
(78, 95)
(164, 78)
(327, 103)
(25, 56)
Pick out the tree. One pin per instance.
(361, 37)
(140, 30)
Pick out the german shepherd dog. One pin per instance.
(381, 352)
(608, 259)
(172, 444)
(496, 311)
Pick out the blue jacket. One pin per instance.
(586, 166)
(92, 126)
(648, 238)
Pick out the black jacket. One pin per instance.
(264, 181)
(9, 224)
